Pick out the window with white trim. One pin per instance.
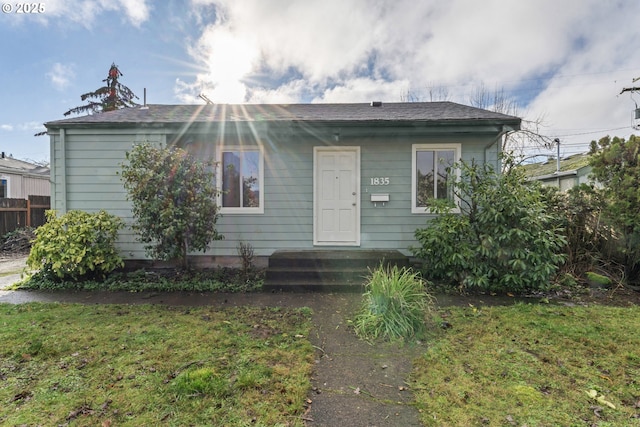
(431, 174)
(242, 180)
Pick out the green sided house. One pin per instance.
(316, 178)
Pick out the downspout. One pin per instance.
(61, 176)
(52, 165)
(498, 140)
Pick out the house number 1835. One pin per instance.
(380, 181)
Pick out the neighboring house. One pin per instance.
(297, 177)
(574, 170)
(20, 179)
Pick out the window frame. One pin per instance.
(457, 153)
(6, 185)
(220, 175)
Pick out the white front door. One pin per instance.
(336, 205)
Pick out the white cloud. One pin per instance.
(582, 100)
(61, 75)
(26, 126)
(280, 36)
(137, 11)
(85, 12)
(457, 43)
(365, 90)
(565, 60)
(287, 93)
(226, 60)
(186, 92)
(31, 126)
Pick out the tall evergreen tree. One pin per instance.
(112, 96)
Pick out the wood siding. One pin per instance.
(22, 186)
(85, 169)
(85, 164)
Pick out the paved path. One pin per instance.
(11, 271)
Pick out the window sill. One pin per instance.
(242, 211)
(427, 211)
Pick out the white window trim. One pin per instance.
(457, 148)
(6, 178)
(235, 210)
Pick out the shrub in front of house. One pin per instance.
(76, 245)
(502, 239)
(616, 165)
(173, 194)
(592, 243)
(396, 305)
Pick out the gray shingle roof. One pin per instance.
(388, 112)
(11, 165)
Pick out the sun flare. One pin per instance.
(229, 60)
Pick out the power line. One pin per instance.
(592, 132)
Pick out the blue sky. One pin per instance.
(564, 62)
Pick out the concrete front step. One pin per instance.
(326, 270)
(327, 273)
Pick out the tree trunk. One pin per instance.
(185, 251)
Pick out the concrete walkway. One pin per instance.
(11, 271)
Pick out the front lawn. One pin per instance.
(533, 365)
(63, 364)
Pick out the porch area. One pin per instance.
(326, 270)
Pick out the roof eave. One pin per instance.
(513, 124)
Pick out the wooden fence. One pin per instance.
(18, 213)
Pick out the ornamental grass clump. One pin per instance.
(395, 306)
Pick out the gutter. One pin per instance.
(554, 175)
(24, 173)
(498, 139)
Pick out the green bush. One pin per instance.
(174, 195)
(395, 305)
(76, 245)
(592, 242)
(616, 165)
(502, 240)
(579, 211)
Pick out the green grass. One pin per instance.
(63, 364)
(532, 365)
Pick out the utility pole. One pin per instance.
(557, 141)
